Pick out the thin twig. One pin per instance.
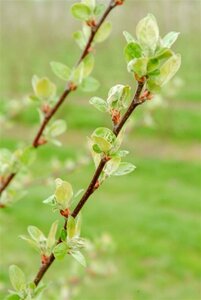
(36, 141)
(93, 183)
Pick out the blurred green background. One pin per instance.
(153, 214)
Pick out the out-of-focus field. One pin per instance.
(153, 215)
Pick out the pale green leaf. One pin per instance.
(60, 70)
(90, 3)
(104, 137)
(17, 278)
(99, 103)
(170, 38)
(81, 11)
(169, 69)
(35, 233)
(57, 128)
(77, 255)
(124, 168)
(71, 227)
(99, 9)
(112, 165)
(129, 38)
(80, 39)
(103, 32)
(44, 88)
(118, 96)
(63, 193)
(88, 65)
(89, 84)
(78, 74)
(52, 235)
(147, 33)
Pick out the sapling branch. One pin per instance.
(93, 183)
(38, 140)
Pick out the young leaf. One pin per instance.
(60, 70)
(90, 3)
(132, 50)
(88, 64)
(103, 32)
(44, 88)
(153, 86)
(152, 64)
(147, 33)
(129, 38)
(100, 7)
(104, 137)
(169, 69)
(118, 96)
(52, 235)
(78, 73)
(124, 168)
(56, 128)
(99, 103)
(80, 39)
(138, 66)
(17, 278)
(170, 38)
(79, 257)
(71, 227)
(89, 84)
(36, 234)
(81, 11)
(60, 250)
(112, 165)
(63, 193)
(78, 225)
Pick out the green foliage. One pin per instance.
(103, 32)
(44, 245)
(43, 88)
(150, 56)
(117, 99)
(23, 290)
(72, 243)
(61, 70)
(53, 130)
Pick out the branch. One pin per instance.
(36, 141)
(93, 184)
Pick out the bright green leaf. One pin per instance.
(60, 250)
(104, 137)
(132, 50)
(90, 3)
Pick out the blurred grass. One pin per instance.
(154, 213)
